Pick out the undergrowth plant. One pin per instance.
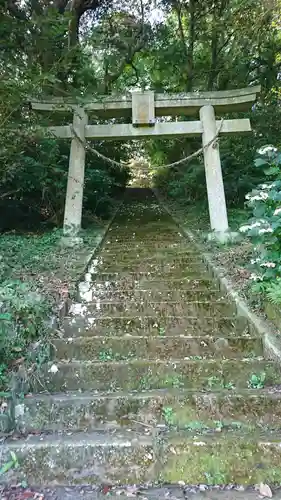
(23, 313)
(264, 226)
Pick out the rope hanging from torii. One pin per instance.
(169, 165)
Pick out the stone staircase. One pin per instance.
(154, 379)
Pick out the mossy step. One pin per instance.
(156, 246)
(132, 281)
(178, 408)
(151, 253)
(178, 267)
(128, 458)
(214, 308)
(155, 274)
(130, 259)
(118, 294)
(161, 347)
(164, 237)
(140, 375)
(146, 231)
(81, 324)
(83, 458)
(245, 458)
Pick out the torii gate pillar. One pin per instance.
(213, 173)
(75, 181)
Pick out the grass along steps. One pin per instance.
(164, 409)
(154, 378)
(133, 347)
(81, 325)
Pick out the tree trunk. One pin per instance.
(190, 50)
(188, 45)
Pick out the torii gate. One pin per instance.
(143, 107)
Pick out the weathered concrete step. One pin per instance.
(112, 246)
(164, 237)
(151, 253)
(146, 307)
(161, 347)
(128, 458)
(132, 281)
(152, 325)
(174, 408)
(154, 274)
(204, 374)
(95, 458)
(177, 492)
(177, 267)
(144, 229)
(118, 294)
(130, 258)
(134, 263)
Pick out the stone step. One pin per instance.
(133, 347)
(144, 281)
(146, 230)
(183, 245)
(207, 374)
(100, 308)
(176, 267)
(155, 274)
(151, 253)
(164, 237)
(145, 411)
(152, 325)
(113, 294)
(130, 458)
(151, 258)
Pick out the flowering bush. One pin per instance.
(264, 227)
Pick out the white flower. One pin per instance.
(256, 277)
(277, 211)
(258, 197)
(268, 264)
(267, 149)
(255, 261)
(266, 186)
(266, 230)
(53, 369)
(244, 229)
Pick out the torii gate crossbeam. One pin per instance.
(143, 107)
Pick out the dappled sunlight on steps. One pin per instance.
(154, 378)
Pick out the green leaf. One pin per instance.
(6, 467)
(272, 171)
(5, 316)
(260, 162)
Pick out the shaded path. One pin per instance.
(155, 378)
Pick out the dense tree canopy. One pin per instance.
(90, 47)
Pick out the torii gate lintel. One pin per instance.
(144, 106)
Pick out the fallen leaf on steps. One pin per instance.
(265, 490)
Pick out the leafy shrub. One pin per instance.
(36, 178)
(264, 226)
(23, 313)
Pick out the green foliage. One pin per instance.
(264, 226)
(168, 415)
(257, 381)
(23, 313)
